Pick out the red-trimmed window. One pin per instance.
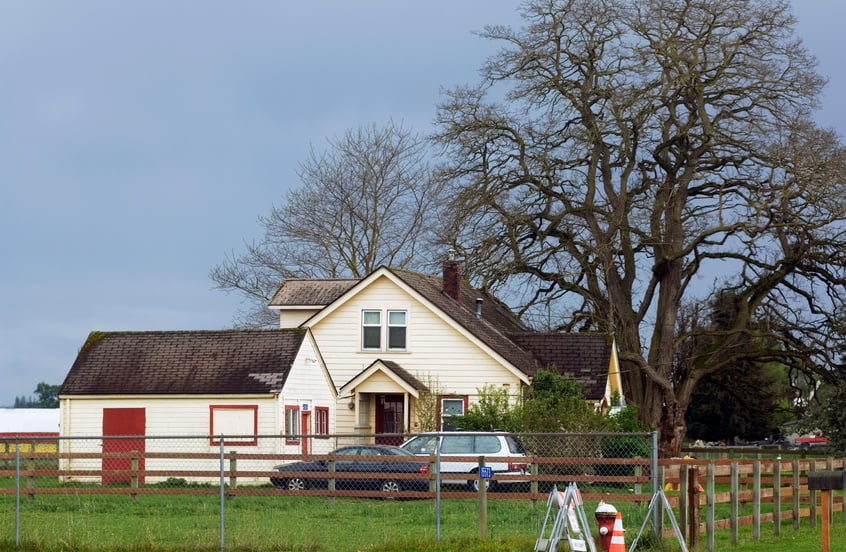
(292, 424)
(238, 423)
(321, 420)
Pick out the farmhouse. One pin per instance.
(395, 336)
(352, 356)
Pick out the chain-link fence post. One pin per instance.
(17, 495)
(222, 495)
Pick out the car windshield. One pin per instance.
(395, 451)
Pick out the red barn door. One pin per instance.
(122, 421)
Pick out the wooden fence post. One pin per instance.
(756, 500)
(684, 497)
(693, 506)
(735, 499)
(843, 496)
(812, 518)
(709, 520)
(233, 469)
(133, 478)
(829, 465)
(533, 486)
(331, 483)
(638, 487)
(796, 481)
(432, 481)
(30, 479)
(777, 497)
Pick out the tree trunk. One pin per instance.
(672, 429)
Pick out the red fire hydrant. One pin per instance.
(605, 514)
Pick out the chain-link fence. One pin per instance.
(193, 490)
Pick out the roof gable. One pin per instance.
(393, 371)
(490, 328)
(184, 362)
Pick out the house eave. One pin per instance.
(127, 396)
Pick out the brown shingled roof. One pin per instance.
(183, 362)
(299, 293)
(404, 375)
(584, 357)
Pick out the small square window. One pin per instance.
(451, 410)
(452, 407)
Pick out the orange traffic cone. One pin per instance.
(618, 542)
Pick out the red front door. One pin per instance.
(306, 431)
(390, 413)
(122, 421)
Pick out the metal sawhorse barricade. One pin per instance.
(568, 519)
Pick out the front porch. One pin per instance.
(382, 397)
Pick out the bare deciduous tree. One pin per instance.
(620, 156)
(368, 200)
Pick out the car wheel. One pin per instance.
(391, 486)
(474, 484)
(296, 484)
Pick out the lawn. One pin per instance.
(312, 524)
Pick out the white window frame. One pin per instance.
(292, 424)
(456, 398)
(404, 327)
(365, 326)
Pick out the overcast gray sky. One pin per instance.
(140, 141)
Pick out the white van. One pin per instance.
(471, 444)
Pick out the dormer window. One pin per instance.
(396, 334)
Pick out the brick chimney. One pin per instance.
(452, 278)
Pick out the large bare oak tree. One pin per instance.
(368, 200)
(623, 157)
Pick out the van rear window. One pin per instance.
(514, 446)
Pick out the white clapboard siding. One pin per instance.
(434, 347)
(292, 318)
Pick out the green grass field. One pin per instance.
(312, 524)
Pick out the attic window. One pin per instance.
(397, 329)
(371, 329)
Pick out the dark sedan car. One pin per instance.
(373, 473)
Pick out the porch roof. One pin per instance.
(393, 371)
